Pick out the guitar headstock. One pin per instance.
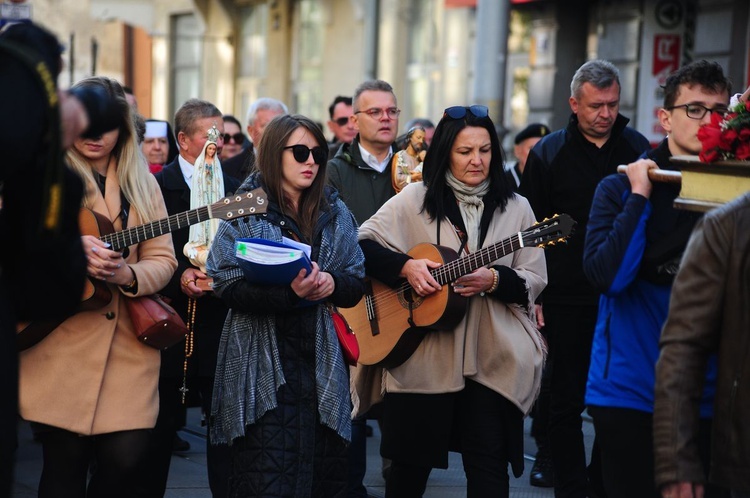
(549, 231)
(238, 205)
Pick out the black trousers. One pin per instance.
(627, 452)
(153, 482)
(570, 330)
(118, 459)
(484, 430)
(540, 412)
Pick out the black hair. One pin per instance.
(438, 158)
(339, 99)
(707, 74)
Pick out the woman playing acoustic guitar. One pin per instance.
(468, 388)
(90, 387)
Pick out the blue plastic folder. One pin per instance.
(268, 262)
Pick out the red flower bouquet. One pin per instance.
(727, 137)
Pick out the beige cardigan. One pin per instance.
(495, 344)
(91, 375)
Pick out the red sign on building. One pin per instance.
(666, 55)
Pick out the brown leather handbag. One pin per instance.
(155, 323)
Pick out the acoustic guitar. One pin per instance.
(96, 293)
(390, 323)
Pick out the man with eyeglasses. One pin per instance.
(634, 243)
(361, 172)
(561, 174)
(340, 124)
(260, 113)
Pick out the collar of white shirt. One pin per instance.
(373, 162)
(187, 170)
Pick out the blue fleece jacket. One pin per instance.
(631, 253)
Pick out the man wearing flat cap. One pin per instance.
(524, 142)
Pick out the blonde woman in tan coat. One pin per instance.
(90, 387)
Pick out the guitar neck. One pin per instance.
(461, 266)
(128, 237)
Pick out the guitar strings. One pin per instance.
(384, 303)
(130, 236)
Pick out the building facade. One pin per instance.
(434, 53)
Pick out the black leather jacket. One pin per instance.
(709, 313)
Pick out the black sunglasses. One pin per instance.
(302, 152)
(341, 121)
(459, 111)
(238, 138)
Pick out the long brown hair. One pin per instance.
(269, 163)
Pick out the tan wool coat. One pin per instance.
(496, 344)
(91, 375)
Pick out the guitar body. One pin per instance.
(390, 323)
(95, 292)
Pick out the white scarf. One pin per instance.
(471, 206)
(207, 188)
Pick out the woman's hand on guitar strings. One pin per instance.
(105, 264)
(417, 273)
(480, 280)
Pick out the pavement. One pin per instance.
(188, 478)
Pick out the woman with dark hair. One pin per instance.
(90, 387)
(465, 389)
(281, 395)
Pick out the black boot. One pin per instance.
(542, 474)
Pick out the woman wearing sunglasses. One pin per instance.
(281, 395)
(465, 389)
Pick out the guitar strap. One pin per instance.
(462, 236)
(101, 181)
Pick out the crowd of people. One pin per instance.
(640, 319)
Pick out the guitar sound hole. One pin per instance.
(409, 299)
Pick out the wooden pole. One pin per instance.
(657, 175)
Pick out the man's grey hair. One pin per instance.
(371, 86)
(265, 104)
(191, 111)
(600, 73)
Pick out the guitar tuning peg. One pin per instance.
(563, 240)
(551, 243)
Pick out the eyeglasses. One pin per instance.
(697, 111)
(237, 137)
(376, 113)
(302, 152)
(459, 111)
(341, 121)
